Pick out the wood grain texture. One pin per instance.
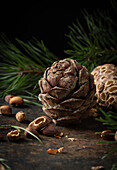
(29, 154)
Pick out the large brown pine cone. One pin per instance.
(105, 79)
(67, 91)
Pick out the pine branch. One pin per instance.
(22, 65)
(95, 43)
(110, 120)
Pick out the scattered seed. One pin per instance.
(13, 135)
(8, 97)
(5, 110)
(97, 168)
(20, 116)
(2, 167)
(52, 151)
(72, 139)
(60, 150)
(61, 134)
(107, 135)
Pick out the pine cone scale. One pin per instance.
(44, 86)
(48, 100)
(83, 76)
(57, 112)
(72, 103)
(59, 92)
(82, 91)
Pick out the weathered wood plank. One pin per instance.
(29, 154)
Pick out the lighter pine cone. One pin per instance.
(105, 79)
(67, 92)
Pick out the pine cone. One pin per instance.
(105, 79)
(67, 91)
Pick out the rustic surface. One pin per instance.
(29, 154)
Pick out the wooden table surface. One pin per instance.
(81, 154)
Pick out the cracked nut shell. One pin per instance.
(16, 101)
(30, 129)
(39, 122)
(2, 167)
(20, 116)
(49, 130)
(8, 97)
(13, 135)
(5, 110)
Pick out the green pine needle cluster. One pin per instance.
(94, 42)
(110, 119)
(22, 66)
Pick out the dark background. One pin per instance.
(45, 21)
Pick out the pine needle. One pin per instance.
(95, 43)
(4, 164)
(110, 119)
(18, 128)
(21, 67)
(32, 102)
(110, 153)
